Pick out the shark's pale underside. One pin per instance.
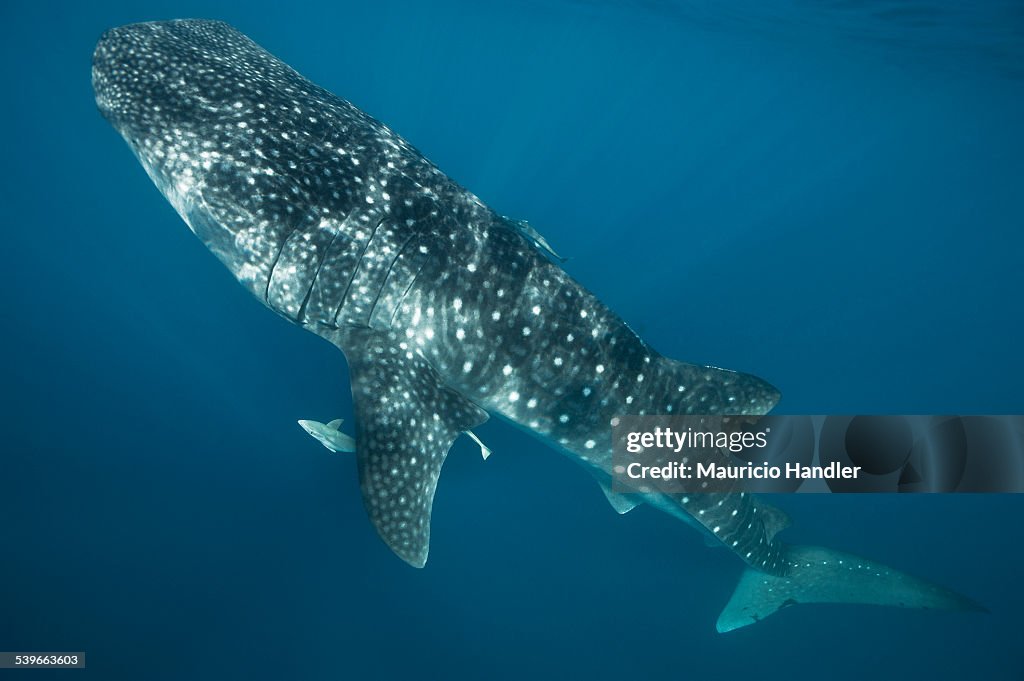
(445, 310)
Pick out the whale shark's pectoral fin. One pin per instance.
(406, 420)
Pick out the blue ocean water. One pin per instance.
(827, 195)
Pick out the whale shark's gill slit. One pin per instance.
(355, 269)
(387, 276)
(316, 274)
(405, 294)
(273, 265)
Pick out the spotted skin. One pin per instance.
(445, 310)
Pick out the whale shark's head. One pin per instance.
(211, 116)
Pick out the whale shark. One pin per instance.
(446, 311)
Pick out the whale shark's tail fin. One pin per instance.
(819, 575)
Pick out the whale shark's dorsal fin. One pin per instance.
(527, 230)
(406, 421)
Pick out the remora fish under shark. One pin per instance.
(445, 310)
